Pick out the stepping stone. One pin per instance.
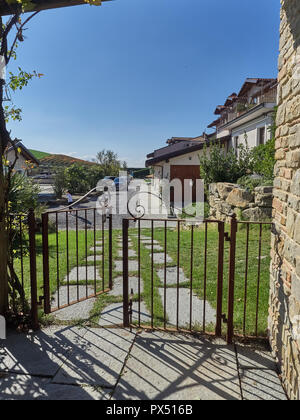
(155, 247)
(172, 275)
(149, 241)
(97, 358)
(92, 258)
(131, 253)
(184, 308)
(132, 266)
(133, 284)
(142, 237)
(79, 311)
(159, 258)
(112, 315)
(96, 249)
(82, 274)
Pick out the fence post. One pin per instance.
(221, 226)
(125, 274)
(45, 222)
(231, 284)
(33, 274)
(110, 252)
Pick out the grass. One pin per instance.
(39, 155)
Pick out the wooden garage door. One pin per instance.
(183, 172)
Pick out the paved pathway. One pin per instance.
(71, 363)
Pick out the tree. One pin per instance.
(12, 30)
(109, 162)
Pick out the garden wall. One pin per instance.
(284, 320)
(226, 199)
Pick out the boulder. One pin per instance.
(257, 214)
(224, 189)
(240, 198)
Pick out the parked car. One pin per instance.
(109, 178)
(121, 183)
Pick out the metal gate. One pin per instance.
(77, 257)
(178, 281)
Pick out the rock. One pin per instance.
(224, 189)
(263, 190)
(240, 198)
(257, 214)
(264, 200)
(295, 188)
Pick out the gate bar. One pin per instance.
(125, 274)
(45, 220)
(221, 226)
(110, 251)
(232, 257)
(33, 274)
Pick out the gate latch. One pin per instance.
(227, 237)
(224, 318)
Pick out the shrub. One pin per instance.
(23, 194)
(60, 182)
(218, 166)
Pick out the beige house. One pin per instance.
(25, 158)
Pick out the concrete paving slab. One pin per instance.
(96, 249)
(172, 276)
(155, 247)
(253, 358)
(131, 253)
(149, 241)
(184, 308)
(261, 385)
(113, 314)
(159, 258)
(79, 311)
(133, 266)
(92, 258)
(28, 388)
(83, 274)
(133, 284)
(97, 358)
(41, 353)
(165, 366)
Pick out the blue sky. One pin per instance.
(133, 73)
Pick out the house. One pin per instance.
(25, 158)
(179, 159)
(248, 114)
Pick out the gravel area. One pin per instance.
(80, 310)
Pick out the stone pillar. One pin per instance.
(284, 316)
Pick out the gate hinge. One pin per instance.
(224, 318)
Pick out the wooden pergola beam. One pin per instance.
(11, 9)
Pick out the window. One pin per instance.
(261, 136)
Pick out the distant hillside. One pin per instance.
(62, 160)
(39, 155)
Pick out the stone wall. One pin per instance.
(284, 319)
(226, 199)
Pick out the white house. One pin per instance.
(248, 115)
(179, 159)
(25, 158)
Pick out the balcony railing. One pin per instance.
(243, 105)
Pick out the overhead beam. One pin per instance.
(12, 8)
